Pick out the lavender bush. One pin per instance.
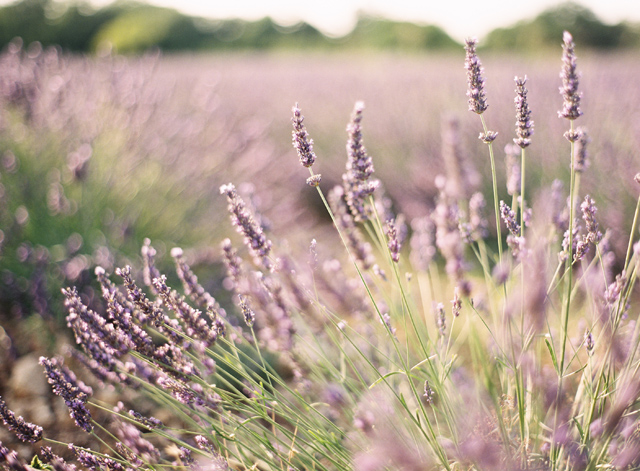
(522, 356)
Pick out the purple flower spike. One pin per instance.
(301, 140)
(245, 223)
(570, 79)
(524, 124)
(25, 431)
(477, 97)
(73, 397)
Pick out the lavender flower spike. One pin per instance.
(357, 181)
(254, 237)
(477, 97)
(73, 397)
(570, 79)
(25, 431)
(301, 140)
(394, 243)
(581, 157)
(509, 218)
(524, 125)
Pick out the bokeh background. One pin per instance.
(119, 122)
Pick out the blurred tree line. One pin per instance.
(130, 27)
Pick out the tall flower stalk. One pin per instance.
(571, 111)
(478, 104)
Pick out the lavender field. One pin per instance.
(367, 320)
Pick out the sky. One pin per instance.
(460, 18)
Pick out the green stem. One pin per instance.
(495, 192)
(633, 232)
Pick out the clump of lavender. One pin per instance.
(25, 431)
(475, 81)
(357, 181)
(242, 218)
(570, 80)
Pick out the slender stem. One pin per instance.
(495, 191)
(632, 235)
(522, 179)
(569, 262)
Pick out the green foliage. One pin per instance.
(542, 31)
(131, 27)
(379, 33)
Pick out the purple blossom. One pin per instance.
(148, 422)
(73, 397)
(247, 312)
(314, 180)
(190, 281)
(356, 181)
(581, 160)
(514, 175)
(151, 312)
(95, 462)
(10, 461)
(456, 302)
(394, 243)
(360, 249)
(570, 79)
(509, 218)
(441, 320)
(25, 431)
(429, 393)
(524, 125)
(478, 225)
(149, 271)
(475, 92)
(245, 223)
(194, 324)
(301, 140)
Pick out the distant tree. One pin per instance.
(379, 33)
(543, 30)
